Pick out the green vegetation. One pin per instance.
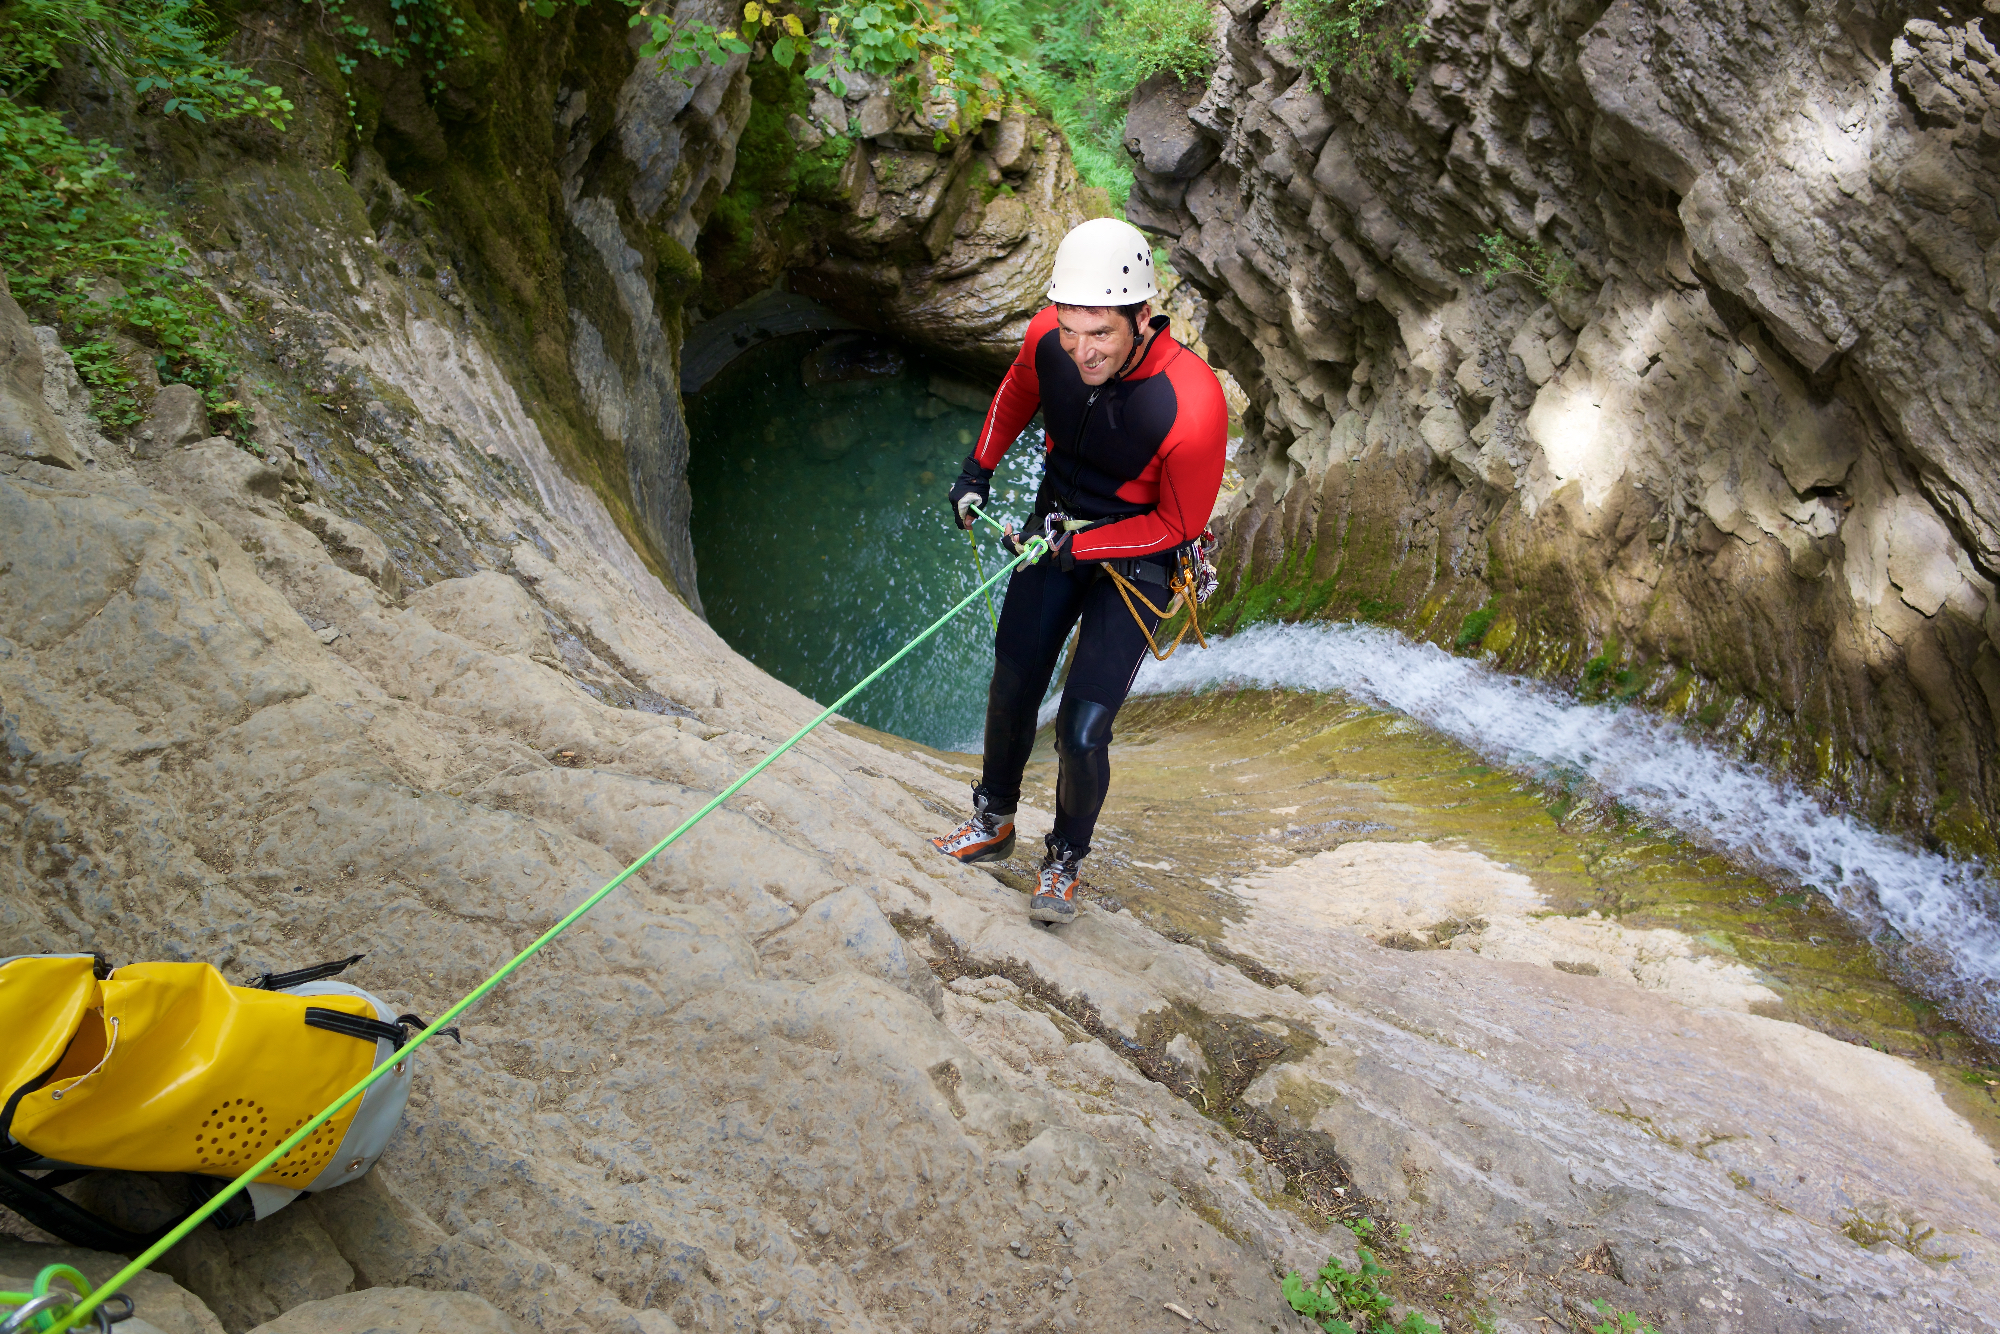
(929, 51)
(1080, 63)
(1349, 1301)
(159, 46)
(1089, 58)
(1547, 271)
(81, 249)
(1624, 1322)
(1902, 1230)
(1475, 627)
(1340, 40)
(425, 35)
(1174, 37)
(769, 165)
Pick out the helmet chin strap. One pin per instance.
(1139, 346)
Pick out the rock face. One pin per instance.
(952, 250)
(394, 1311)
(1729, 429)
(530, 218)
(737, 1096)
(895, 219)
(665, 1125)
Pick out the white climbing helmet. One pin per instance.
(1103, 262)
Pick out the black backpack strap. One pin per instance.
(355, 1026)
(299, 976)
(37, 1201)
(370, 1030)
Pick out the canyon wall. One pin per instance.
(392, 666)
(1728, 447)
(543, 216)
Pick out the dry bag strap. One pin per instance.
(38, 1202)
(300, 976)
(369, 1030)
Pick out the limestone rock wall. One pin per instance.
(950, 249)
(1742, 467)
(542, 202)
(895, 216)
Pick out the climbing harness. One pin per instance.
(1192, 580)
(1192, 583)
(92, 1301)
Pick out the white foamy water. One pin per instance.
(1945, 912)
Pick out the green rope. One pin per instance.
(979, 567)
(1035, 547)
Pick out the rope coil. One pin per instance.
(1182, 586)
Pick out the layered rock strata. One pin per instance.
(1725, 439)
(939, 235)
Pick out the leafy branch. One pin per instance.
(1621, 1322)
(79, 246)
(1547, 271)
(955, 61)
(1337, 39)
(159, 46)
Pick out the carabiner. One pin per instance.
(22, 1315)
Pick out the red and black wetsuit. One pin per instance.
(1141, 458)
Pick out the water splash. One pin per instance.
(1937, 919)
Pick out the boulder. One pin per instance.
(1158, 132)
(156, 1299)
(217, 476)
(876, 115)
(847, 930)
(355, 547)
(63, 390)
(178, 418)
(961, 394)
(1010, 144)
(27, 428)
(829, 110)
(489, 609)
(394, 1311)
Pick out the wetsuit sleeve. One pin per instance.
(1019, 396)
(1191, 460)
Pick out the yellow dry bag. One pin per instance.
(166, 1067)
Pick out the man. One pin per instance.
(1136, 426)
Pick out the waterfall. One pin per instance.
(1937, 918)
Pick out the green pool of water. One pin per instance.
(821, 533)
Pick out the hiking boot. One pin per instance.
(987, 837)
(1056, 884)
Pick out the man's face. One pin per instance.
(1097, 338)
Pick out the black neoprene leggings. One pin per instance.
(1043, 602)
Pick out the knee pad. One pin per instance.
(1082, 727)
(1006, 687)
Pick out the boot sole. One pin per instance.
(1000, 852)
(1055, 916)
